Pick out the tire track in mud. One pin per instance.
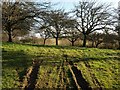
(31, 76)
(66, 79)
(66, 83)
(81, 83)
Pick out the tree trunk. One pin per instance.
(44, 41)
(119, 39)
(72, 43)
(56, 40)
(119, 45)
(84, 40)
(97, 45)
(9, 36)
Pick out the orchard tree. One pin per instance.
(14, 17)
(43, 29)
(109, 39)
(45, 34)
(116, 20)
(18, 16)
(96, 38)
(91, 17)
(72, 35)
(117, 30)
(70, 32)
(56, 20)
(43, 24)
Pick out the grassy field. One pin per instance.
(99, 67)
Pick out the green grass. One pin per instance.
(54, 75)
(106, 72)
(48, 77)
(100, 64)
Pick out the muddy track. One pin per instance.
(31, 76)
(77, 75)
(72, 82)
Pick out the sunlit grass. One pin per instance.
(102, 64)
(105, 71)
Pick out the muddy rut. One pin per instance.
(81, 83)
(31, 76)
(29, 81)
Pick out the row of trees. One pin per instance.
(18, 18)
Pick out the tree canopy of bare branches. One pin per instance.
(91, 17)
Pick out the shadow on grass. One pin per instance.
(75, 59)
(18, 60)
(15, 59)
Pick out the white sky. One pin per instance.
(69, 4)
(113, 1)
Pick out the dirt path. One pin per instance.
(80, 81)
(32, 75)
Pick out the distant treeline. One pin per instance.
(88, 24)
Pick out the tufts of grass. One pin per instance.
(99, 66)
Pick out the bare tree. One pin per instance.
(56, 20)
(18, 16)
(96, 39)
(116, 20)
(109, 39)
(91, 17)
(45, 34)
(118, 32)
(14, 17)
(72, 35)
(70, 32)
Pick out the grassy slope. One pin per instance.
(100, 64)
